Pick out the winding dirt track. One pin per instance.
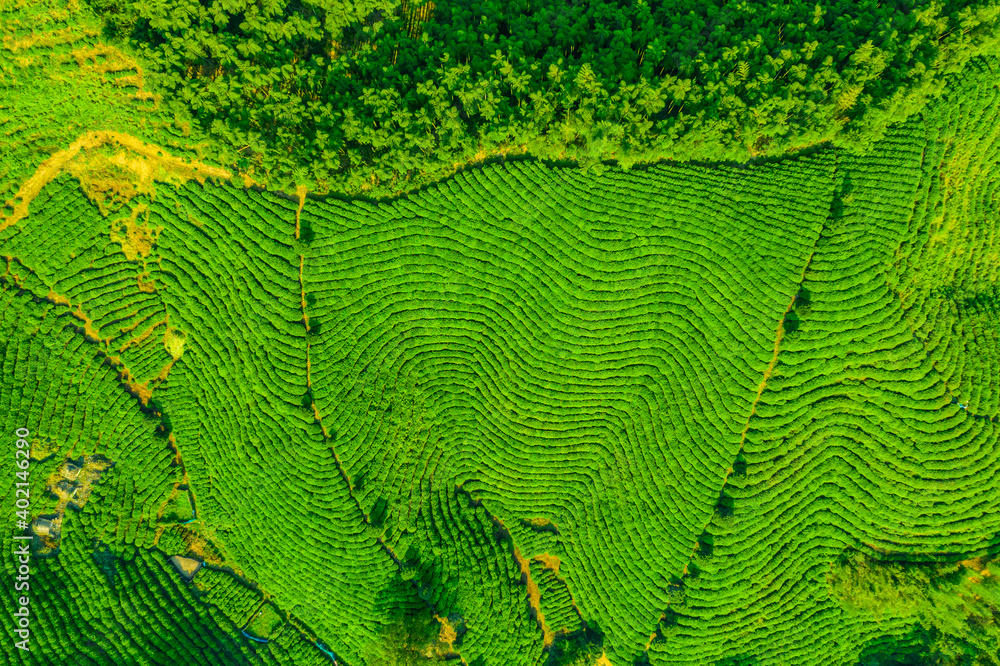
(55, 165)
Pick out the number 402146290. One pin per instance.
(23, 463)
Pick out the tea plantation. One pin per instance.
(530, 414)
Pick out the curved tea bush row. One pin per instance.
(261, 471)
(461, 561)
(62, 226)
(578, 349)
(855, 442)
(556, 602)
(60, 387)
(66, 245)
(91, 605)
(536, 538)
(524, 362)
(950, 274)
(95, 606)
(228, 594)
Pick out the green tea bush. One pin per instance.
(856, 441)
(653, 406)
(622, 360)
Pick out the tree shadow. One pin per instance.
(909, 649)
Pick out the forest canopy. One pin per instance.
(381, 95)
(957, 605)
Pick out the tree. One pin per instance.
(409, 640)
(958, 602)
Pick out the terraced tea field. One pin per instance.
(535, 406)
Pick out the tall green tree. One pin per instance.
(959, 603)
(381, 95)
